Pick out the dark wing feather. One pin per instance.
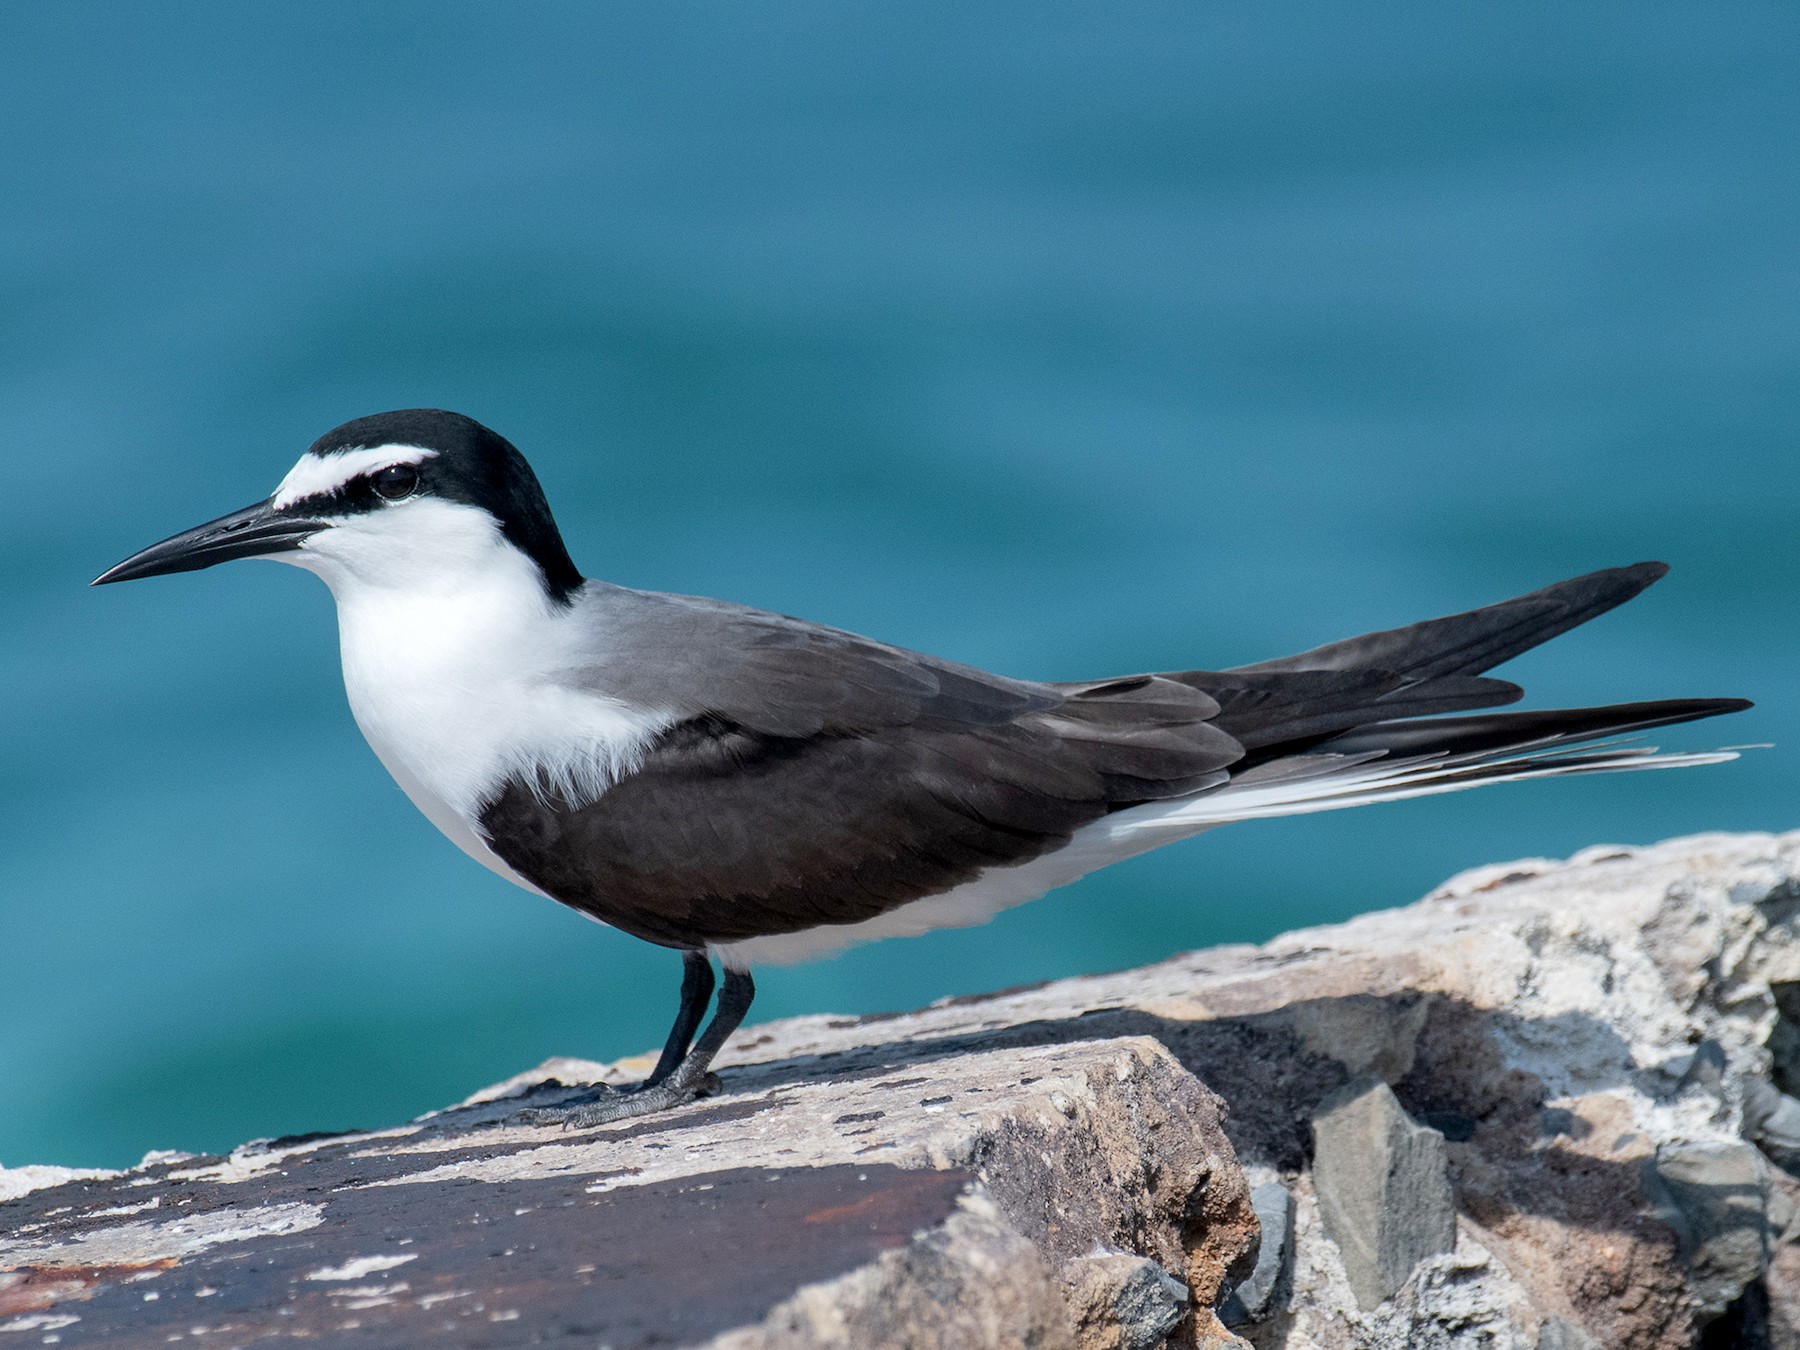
(818, 777)
(1468, 644)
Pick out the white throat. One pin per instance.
(461, 670)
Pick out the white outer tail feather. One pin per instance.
(1367, 781)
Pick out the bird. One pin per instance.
(745, 787)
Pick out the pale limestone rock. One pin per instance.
(1556, 1334)
(1461, 1300)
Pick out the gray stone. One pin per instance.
(1781, 1281)
(1784, 1036)
(1717, 1197)
(1383, 1184)
(1250, 1301)
(1705, 1069)
(1367, 1035)
(1122, 1302)
(1461, 1300)
(1558, 1333)
(1772, 1120)
(1782, 1213)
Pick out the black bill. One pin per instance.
(254, 532)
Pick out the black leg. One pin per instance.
(696, 993)
(688, 1078)
(734, 1002)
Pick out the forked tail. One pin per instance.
(1349, 723)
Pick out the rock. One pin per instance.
(916, 1199)
(1719, 1196)
(1122, 1302)
(1772, 1120)
(1705, 1070)
(1603, 1045)
(1383, 1185)
(1454, 1300)
(1784, 1036)
(1556, 1334)
(17, 1181)
(972, 1281)
(1274, 1206)
(1781, 1281)
(1366, 1034)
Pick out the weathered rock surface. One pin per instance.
(1273, 1202)
(1059, 1195)
(1383, 1187)
(1599, 1059)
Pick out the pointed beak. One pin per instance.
(255, 532)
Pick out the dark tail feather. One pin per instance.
(1468, 644)
(1514, 731)
(1265, 708)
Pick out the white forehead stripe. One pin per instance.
(316, 475)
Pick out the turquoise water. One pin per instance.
(1066, 340)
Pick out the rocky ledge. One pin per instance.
(1546, 1107)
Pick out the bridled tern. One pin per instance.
(740, 785)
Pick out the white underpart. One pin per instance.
(1142, 828)
(452, 658)
(319, 475)
(974, 902)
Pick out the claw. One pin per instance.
(557, 1115)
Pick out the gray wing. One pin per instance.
(819, 777)
(779, 675)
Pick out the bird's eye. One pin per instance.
(396, 481)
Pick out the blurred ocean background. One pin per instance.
(1067, 340)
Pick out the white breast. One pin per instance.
(458, 668)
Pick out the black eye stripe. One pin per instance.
(396, 482)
